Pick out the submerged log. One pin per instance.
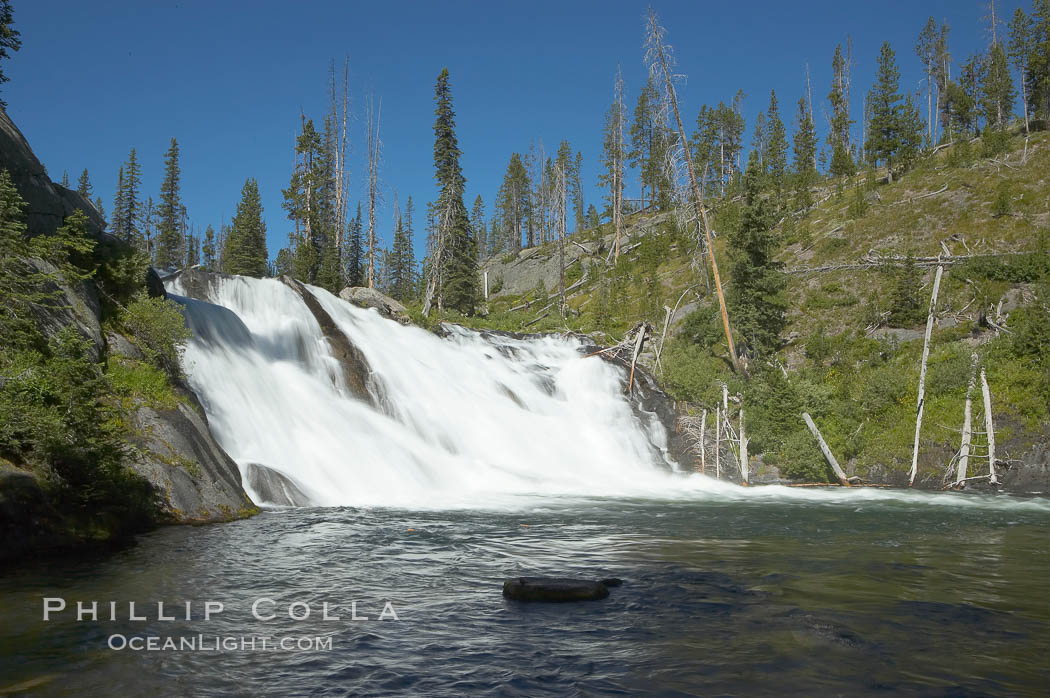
(556, 589)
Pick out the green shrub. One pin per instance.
(1002, 204)
(136, 379)
(994, 142)
(158, 328)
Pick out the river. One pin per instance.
(768, 591)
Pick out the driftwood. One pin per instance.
(828, 455)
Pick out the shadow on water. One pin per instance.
(720, 597)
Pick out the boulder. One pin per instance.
(371, 298)
(274, 488)
(557, 589)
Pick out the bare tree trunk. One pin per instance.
(964, 450)
(563, 193)
(655, 32)
(373, 183)
(989, 426)
(922, 375)
(828, 455)
(718, 442)
(618, 167)
(744, 465)
(435, 263)
(703, 449)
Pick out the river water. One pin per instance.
(764, 592)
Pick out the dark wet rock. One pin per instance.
(555, 589)
(28, 522)
(47, 203)
(154, 285)
(272, 487)
(371, 298)
(197, 282)
(356, 371)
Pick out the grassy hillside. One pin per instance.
(852, 345)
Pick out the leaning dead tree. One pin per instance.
(629, 348)
(660, 59)
(374, 144)
(828, 455)
(921, 401)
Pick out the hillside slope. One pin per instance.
(855, 319)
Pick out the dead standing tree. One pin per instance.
(439, 252)
(660, 60)
(374, 145)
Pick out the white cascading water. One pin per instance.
(465, 419)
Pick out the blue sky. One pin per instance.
(228, 80)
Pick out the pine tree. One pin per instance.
(757, 279)
(459, 264)
(926, 50)
(998, 89)
(647, 141)
(130, 214)
(1039, 60)
(244, 251)
(884, 140)
(9, 39)
(354, 255)
(402, 262)
(775, 157)
(117, 223)
(477, 224)
(98, 207)
(65, 179)
(842, 164)
(614, 157)
(209, 258)
(1020, 51)
(84, 185)
(805, 155)
(170, 244)
(513, 200)
(910, 129)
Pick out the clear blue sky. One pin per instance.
(228, 80)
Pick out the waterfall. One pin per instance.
(462, 420)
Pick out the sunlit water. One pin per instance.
(760, 595)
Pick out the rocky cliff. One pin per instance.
(169, 446)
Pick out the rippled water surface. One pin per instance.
(776, 594)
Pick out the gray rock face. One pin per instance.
(522, 272)
(76, 304)
(272, 487)
(371, 298)
(196, 481)
(48, 203)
